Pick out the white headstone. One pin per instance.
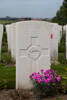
(55, 42)
(1, 35)
(8, 31)
(60, 31)
(55, 31)
(33, 52)
(13, 40)
(64, 28)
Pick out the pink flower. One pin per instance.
(30, 76)
(52, 71)
(34, 77)
(51, 76)
(39, 76)
(35, 73)
(47, 80)
(44, 73)
(47, 71)
(53, 80)
(58, 78)
(42, 70)
(39, 80)
(47, 75)
(43, 79)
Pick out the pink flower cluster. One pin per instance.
(45, 76)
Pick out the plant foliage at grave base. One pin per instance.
(62, 58)
(4, 38)
(62, 71)
(4, 49)
(45, 83)
(7, 84)
(62, 50)
(6, 58)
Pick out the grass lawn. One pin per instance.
(7, 76)
(7, 21)
(62, 70)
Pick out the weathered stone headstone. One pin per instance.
(55, 32)
(8, 31)
(59, 32)
(64, 28)
(1, 35)
(33, 50)
(13, 40)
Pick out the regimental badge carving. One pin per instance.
(34, 52)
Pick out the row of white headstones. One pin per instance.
(33, 44)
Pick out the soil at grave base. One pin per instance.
(13, 94)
